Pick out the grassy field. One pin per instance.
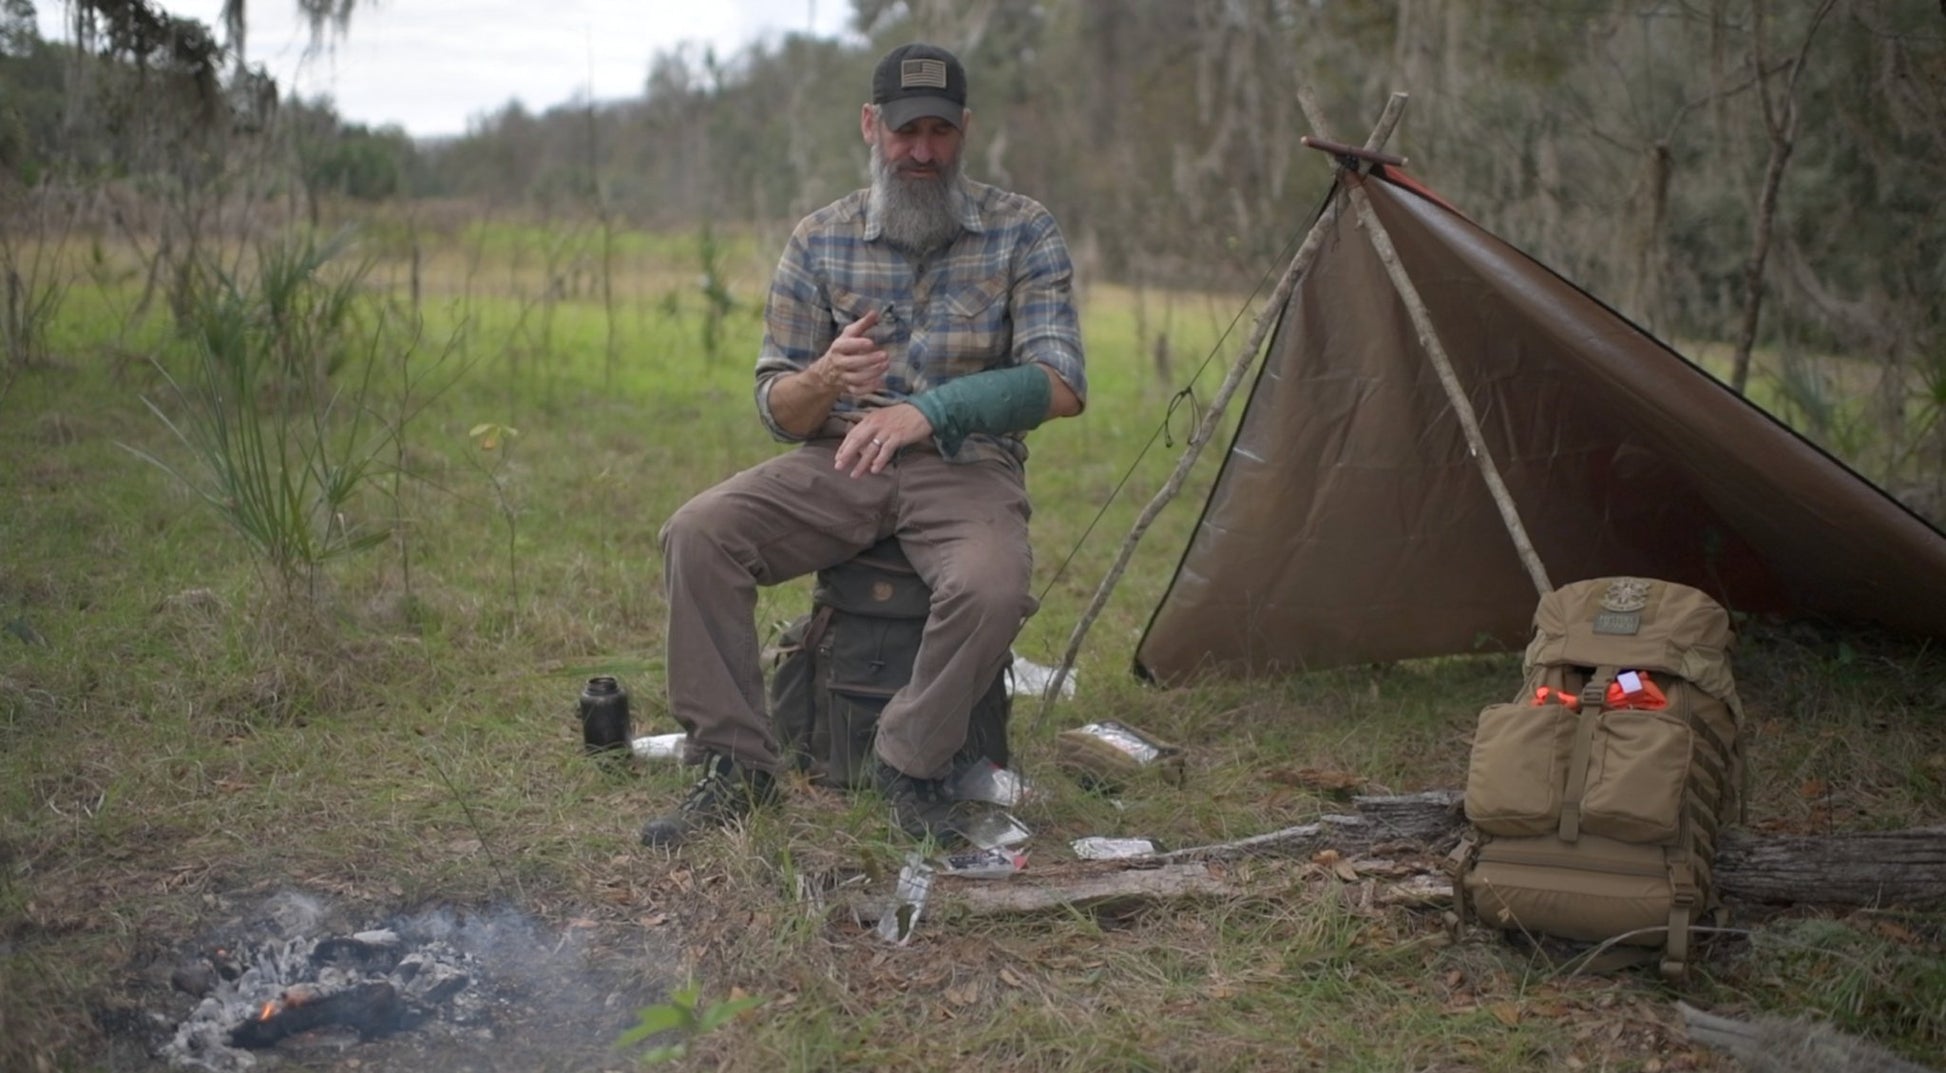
(188, 732)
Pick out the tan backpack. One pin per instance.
(1596, 797)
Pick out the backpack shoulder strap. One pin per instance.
(815, 630)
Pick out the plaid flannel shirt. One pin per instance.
(999, 295)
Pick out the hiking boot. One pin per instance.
(727, 792)
(920, 807)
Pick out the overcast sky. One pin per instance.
(432, 65)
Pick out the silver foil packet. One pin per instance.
(994, 829)
(658, 747)
(1097, 848)
(1125, 739)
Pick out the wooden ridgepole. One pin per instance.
(1300, 263)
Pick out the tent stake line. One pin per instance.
(1246, 356)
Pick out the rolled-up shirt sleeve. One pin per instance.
(1046, 329)
(798, 325)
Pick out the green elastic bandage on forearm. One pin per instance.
(1014, 399)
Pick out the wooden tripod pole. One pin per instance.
(1435, 350)
(1306, 253)
(1462, 406)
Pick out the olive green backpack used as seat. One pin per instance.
(833, 669)
(1596, 797)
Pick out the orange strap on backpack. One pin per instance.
(1630, 689)
(1550, 695)
(1634, 689)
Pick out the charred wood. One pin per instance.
(372, 1008)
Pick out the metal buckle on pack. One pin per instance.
(1683, 891)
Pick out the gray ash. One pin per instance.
(484, 990)
(331, 990)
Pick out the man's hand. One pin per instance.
(873, 441)
(855, 364)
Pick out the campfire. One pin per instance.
(340, 989)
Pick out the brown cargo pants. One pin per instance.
(964, 528)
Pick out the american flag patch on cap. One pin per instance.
(914, 73)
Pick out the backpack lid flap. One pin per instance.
(1636, 623)
(879, 583)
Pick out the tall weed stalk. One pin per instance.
(277, 445)
(418, 382)
(497, 440)
(717, 300)
(32, 285)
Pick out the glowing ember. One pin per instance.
(269, 1008)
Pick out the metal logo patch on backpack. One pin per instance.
(1621, 606)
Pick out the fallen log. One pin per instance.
(1778, 1045)
(1863, 869)
(1098, 889)
(1867, 868)
(1431, 821)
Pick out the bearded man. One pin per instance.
(914, 332)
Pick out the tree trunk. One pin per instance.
(1780, 119)
(1753, 268)
(1645, 300)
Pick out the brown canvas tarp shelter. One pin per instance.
(1350, 524)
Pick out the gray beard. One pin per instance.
(916, 215)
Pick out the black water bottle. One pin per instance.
(604, 716)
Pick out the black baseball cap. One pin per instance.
(919, 80)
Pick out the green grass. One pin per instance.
(179, 738)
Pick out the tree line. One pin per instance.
(1743, 171)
